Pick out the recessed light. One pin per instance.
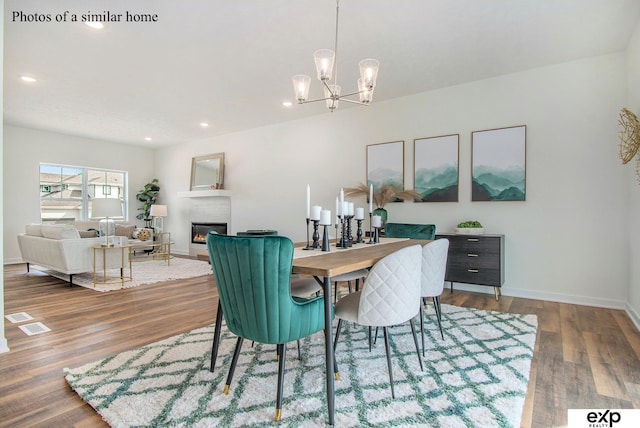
(148, 138)
(28, 79)
(204, 124)
(287, 103)
(95, 24)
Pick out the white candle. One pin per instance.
(315, 212)
(376, 221)
(370, 198)
(342, 203)
(308, 200)
(351, 208)
(325, 217)
(359, 213)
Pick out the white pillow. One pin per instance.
(60, 231)
(33, 229)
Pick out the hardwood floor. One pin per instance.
(584, 357)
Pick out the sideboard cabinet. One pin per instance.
(475, 259)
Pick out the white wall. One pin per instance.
(633, 185)
(4, 347)
(567, 242)
(25, 149)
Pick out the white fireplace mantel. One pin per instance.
(205, 194)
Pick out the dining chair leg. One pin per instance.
(282, 349)
(422, 327)
(438, 309)
(234, 361)
(386, 348)
(299, 355)
(336, 373)
(415, 341)
(216, 337)
(369, 338)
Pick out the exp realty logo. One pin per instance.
(604, 418)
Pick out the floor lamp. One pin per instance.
(106, 209)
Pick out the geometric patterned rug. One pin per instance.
(144, 272)
(476, 376)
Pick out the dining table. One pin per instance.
(323, 265)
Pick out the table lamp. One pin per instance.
(106, 209)
(158, 212)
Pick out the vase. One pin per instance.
(382, 213)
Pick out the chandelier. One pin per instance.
(325, 60)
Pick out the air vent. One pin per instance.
(34, 328)
(19, 317)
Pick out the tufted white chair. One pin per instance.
(390, 295)
(434, 264)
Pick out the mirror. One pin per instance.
(207, 172)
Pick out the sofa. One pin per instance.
(68, 248)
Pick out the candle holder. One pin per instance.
(342, 243)
(376, 235)
(370, 229)
(308, 247)
(359, 239)
(316, 235)
(325, 238)
(349, 232)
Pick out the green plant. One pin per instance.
(470, 223)
(147, 195)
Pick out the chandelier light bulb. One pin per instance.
(324, 59)
(369, 71)
(301, 84)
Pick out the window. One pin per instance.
(66, 192)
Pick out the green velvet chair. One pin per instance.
(411, 231)
(253, 277)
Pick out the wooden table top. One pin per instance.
(337, 261)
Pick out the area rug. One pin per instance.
(476, 376)
(147, 272)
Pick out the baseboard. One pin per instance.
(635, 318)
(13, 261)
(552, 297)
(4, 345)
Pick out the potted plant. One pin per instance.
(471, 227)
(381, 197)
(147, 195)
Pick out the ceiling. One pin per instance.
(229, 62)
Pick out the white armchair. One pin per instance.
(434, 264)
(390, 295)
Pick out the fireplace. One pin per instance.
(199, 231)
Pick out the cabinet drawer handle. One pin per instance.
(472, 270)
(472, 255)
(472, 239)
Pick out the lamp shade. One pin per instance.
(301, 84)
(106, 207)
(158, 211)
(324, 59)
(369, 71)
(332, 94)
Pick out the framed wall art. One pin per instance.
(436, 168)
(498, 164)
(385, 165)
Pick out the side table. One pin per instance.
(109, 256)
